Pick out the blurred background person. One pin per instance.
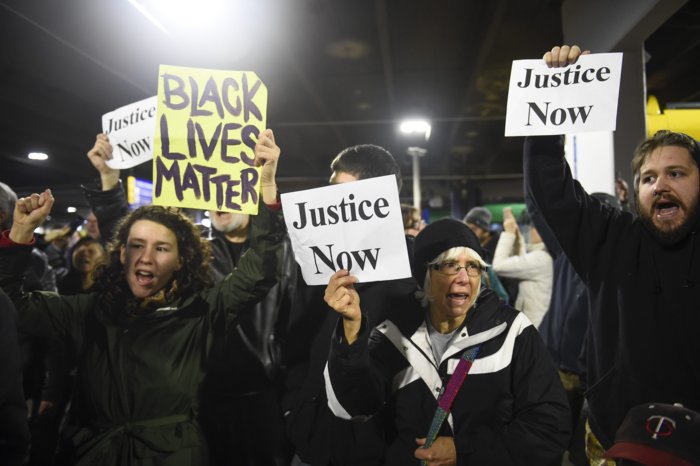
(92, 227)
(478, 219)
(565, 325)
(85, 256)
(412, 221)
(530, 264)
(34, 349)
(57, 245)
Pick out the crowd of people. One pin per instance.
(564, 333)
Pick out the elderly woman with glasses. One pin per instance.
(458, 377)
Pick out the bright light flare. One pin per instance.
(37, 156)
(177, 16)
(416, 127)
(147, 14)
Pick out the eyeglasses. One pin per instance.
(473, 269)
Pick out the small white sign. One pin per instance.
(356, 226)
(578, 98)
(130, 130)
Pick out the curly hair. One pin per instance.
(195, 252)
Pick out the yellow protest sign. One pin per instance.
(207, 124)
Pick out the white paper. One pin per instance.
(578, 98)
(356, 226)
(130, 130)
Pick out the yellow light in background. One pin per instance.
(130, 189)
(682, 120)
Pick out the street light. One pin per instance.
(416, 127)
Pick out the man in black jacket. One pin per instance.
(318, 436)
(241, 412)
(642, 274)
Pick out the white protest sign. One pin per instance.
(357, 226)
(578, 98)
(130, 130)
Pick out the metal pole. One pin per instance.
(416, 180)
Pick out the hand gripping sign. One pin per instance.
(355, 226)
(578, 98)
(207, 125)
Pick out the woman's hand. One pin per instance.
(343, 298)
(267, 153)
(30, 212)
(441, 453)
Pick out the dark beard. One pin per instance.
(669, 238)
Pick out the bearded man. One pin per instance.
(641, 273)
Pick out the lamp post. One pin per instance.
(416, 127)
(416, 153)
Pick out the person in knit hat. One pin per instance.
(510, 409)
(479, 220)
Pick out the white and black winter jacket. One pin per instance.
(511, 409)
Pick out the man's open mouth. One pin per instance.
(666, 209)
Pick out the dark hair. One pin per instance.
(661, 139)
(194, 275)
(367, 161)
(85, 240)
